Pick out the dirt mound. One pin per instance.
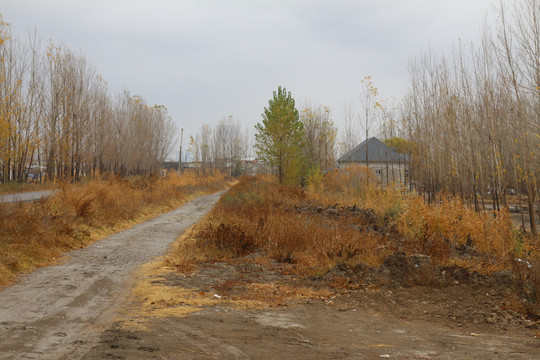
(451, 294)
(407, 270)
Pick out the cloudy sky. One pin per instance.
(206, 59)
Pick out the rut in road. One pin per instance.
(57, 312)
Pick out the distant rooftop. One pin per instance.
(377, 152)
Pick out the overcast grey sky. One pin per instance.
(206, 59)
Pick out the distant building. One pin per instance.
(252, 166)
(389, 165)
(171, 165)
(245, 166)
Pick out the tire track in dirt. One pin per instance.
(58, 312)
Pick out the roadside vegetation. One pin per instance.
(34, 234)
(336, 223)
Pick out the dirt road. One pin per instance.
(304, 332)
(26, 196)
(58, 312)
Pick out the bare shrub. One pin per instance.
(226, 237)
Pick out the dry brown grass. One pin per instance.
(335, 223)
(33, 234)
(259, 216)
(160, 300)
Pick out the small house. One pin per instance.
(390, 166)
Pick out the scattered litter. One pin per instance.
(474, 334)
(217, 296)
(385, 356)
(526, 262)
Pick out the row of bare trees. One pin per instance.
(58, 119)
(320, 137)
(223, 147)
(475, 115)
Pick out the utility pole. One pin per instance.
(180, 155)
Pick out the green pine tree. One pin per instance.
(280, 137)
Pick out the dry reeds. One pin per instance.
(258, 215)
(288, 224)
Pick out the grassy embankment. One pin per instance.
(34, 234)
(335, 221)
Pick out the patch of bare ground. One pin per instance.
(451, 296)
(255, 308)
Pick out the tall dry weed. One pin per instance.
(265, 212)
(454, 223)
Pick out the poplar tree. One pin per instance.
(279, 140)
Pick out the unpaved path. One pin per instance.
(25, 196)
(58, 312)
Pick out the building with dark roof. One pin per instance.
(389, 165)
